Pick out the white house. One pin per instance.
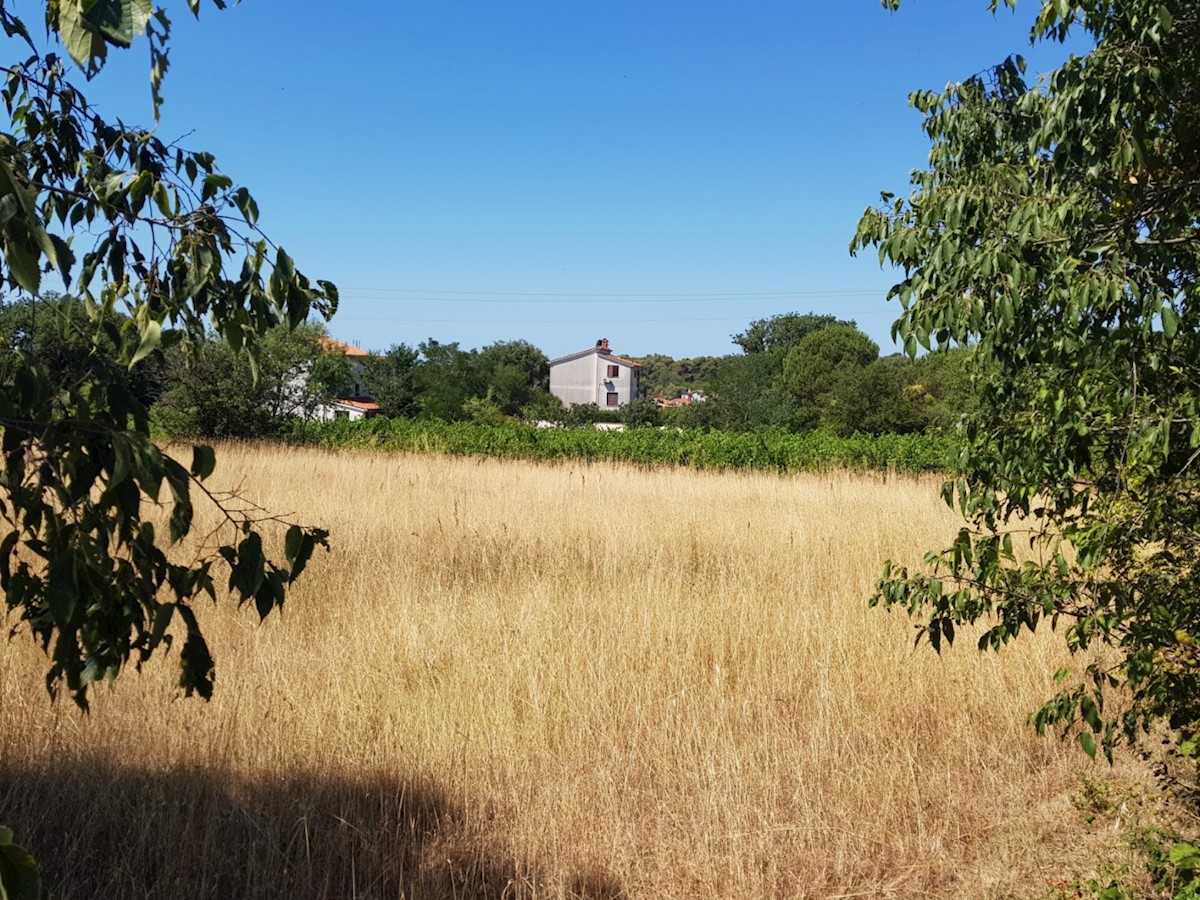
(358, 404)
(594, 375)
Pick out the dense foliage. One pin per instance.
(163, 249)
(215, 392)
(1057, 229)
(800, 372)
(774, 450)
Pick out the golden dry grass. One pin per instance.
(512, 680)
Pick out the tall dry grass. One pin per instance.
(512, 680)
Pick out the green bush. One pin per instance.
(776, 450)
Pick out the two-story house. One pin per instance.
(594, 375)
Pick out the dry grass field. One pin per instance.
(511, 680)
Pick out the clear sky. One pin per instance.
(658, 173)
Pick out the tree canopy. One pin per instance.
(1057, 229)
(783, 331)
(161, 248)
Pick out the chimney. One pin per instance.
(603, 344)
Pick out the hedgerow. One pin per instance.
(775, 450)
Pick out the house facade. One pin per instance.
(358, 404)
(594, 375)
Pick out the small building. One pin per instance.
(340, 408)
(594, 375)
(687, 398)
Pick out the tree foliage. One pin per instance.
(390, 378)
(783, 331)
(59, 331)
(662, 376)
(515, 373)
(215, 392)
(815, 365)
(161, 248)
(745, 396)
(1057, 229)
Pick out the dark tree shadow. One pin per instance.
(100, 830)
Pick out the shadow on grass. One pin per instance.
(100, 830)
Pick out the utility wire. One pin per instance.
(424, 296)
(625, 321)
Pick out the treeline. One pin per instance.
(799, 372)
(772, 449)
(795, 373)
(219, 392)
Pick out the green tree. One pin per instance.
(446, 378)
(165, 246)
(215, 392)
(944, 380)
(391, 379)
(745, 397)
(513, 373)
(641, 412)
(783, 331)
(212, 393)
(1057, 231)
(657, 377)
(662, 376)
(881, 398)
(820, 360)
(544, 407)
(59, 332)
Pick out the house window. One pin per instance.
(614, 371)
(612, 399)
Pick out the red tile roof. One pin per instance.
(621, 359)
(330, 345)
(366, 405)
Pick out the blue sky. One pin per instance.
(658, 173)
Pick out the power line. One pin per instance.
(558, 296)
(624, 321)
(496, 301)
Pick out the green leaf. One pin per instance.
(1087, 709)
(204, 461)
(213, 184)
(117, 21)
(293, 542)
(1088, 743)
(23, 265)
(86, 47)
(1183, 852)
(1170, 321)
(162, 199)
(248, 572)
(245, 203)
(19, 876)
(151, 338)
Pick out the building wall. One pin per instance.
(624, 384)
(586, 380)
(575, 381)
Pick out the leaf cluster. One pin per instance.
(161, 249)
(1057, 230)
